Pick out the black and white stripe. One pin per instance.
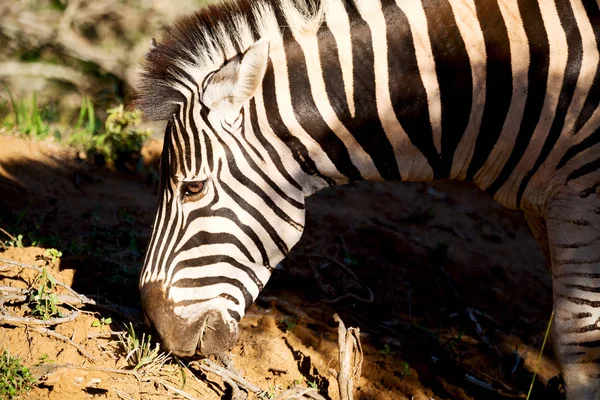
(501, 92)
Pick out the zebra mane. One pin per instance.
(202, 41)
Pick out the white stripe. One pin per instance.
(519, 55)
(339, 24)
(507, 195)
(284, 103)
(361, 160)
(470, 30)
(411, 162)
(215, 224)
(418, 27)
(214, 271)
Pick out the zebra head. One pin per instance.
(228, 212)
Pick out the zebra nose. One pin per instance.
(218, 334)
(178, 335)
(210, 331)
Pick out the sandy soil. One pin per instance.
(461, 295)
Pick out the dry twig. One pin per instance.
(49, 332)
(208, 365)
(74, 299)
(351, 358)
(300, 393)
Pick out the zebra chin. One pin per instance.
(202, 328)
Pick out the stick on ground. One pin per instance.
(351, 358)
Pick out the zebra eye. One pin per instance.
(193, 190)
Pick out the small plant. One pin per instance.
(16, 242)
(312, 385)
(44, 359)
(387, 350)
(102, 322)
(119, 145)
(27, 118)
(42, 300)
(53, 254)
(404, 370)
(15, 379)
(287, 325)
(273, 391)
(140, 354)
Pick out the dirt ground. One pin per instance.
(460, 298)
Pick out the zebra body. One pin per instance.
(268, 102)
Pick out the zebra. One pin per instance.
(269, 101)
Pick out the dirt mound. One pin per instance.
(449, 289)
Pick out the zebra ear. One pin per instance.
(251, 70)
(238, 80)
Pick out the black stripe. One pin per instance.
(203, 238)
(586, 302)
(591, 344)
(575, 262)
(241, 177)
(243, 128)
(273, 154)
(183, 303)
(179, 149)
(593, 97)
(365, 126)
(499, 84)
(208, 281)
(260, 173)
(208, 261)
(298, 150)
(577, 275)
(235, 315)
(195, 135)
(230, 215)
(586, 169)
(572, 70)
(580, 147)
(454, 74)
(168, 236)
(407, 90)
(257, 215)
(583, 288)
(537, 76)
(307, 114)
(577, 244)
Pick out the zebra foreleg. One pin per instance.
(573, 223)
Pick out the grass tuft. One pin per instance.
(141, 355)
(15, 379)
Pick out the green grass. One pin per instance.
(15, 379)
(29, 119)
(43, 301)
(117, 141)
(140, 353)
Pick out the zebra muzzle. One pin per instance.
(218, 334)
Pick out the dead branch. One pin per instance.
(75, 299)
(351, 358)
(49, 332)
(11, 320)
(208, 365)
(2, 230)
(51, 368)
(173, 389)
(300, 393)
(47, 71)
(39, 32)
